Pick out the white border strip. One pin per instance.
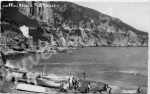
(128, 1)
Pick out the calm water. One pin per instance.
(116, 65)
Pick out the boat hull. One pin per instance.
(31, 88)
(48, 83)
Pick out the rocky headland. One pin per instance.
(63, 24)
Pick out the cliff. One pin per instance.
(68, 24)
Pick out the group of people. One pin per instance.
(71, 83)
(82, 86)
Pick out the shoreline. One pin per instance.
(68, 48)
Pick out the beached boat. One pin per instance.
(54, 77)
(31, 88)
(62, 49)
(48, 83)
(129, 91)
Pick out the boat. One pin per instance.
(48, 83)
(129, 91)
(31, 88)
(62, 49)
(54, 77)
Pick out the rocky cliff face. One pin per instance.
(68, 24)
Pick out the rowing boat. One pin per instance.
(31, 88)
(48, 83)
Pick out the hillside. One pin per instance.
(67, 24)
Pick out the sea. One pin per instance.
(121, 66)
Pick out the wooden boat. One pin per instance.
(54, 77)
(62, 49)
(31, 88)
(129, 91)
(48, 83)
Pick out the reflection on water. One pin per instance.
(125, 65)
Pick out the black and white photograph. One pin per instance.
(74, 47)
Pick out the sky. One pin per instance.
(136, 14)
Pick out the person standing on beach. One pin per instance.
(2, 63)
(3, 58)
